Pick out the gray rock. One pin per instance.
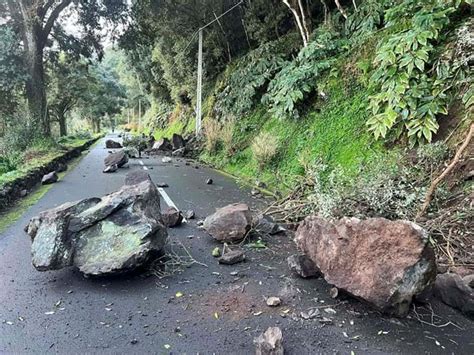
(113, 234)
(177, 141)
(302, 265)
(111, 144)
(132, 152)
(189, 214)
(162, 184)
(136, 177)
(172, 217)
(455, 292)
(232, 257)
(209, 181)
(23, 193)
(49, 178)
(119, 158)
(265, 225)
(270, 342)
(230, 223)
(110, 169)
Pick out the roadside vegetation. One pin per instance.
(340, 108)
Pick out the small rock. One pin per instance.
(255, 192)
(232, 257)
(162, 184)
(110, 169)
(312, 313)
(166, 160)
(330, 310)
(265, 225)
(260, 184)
(334, 292)
(133, 341)
(23, 193)
(326, 320)
(270, 342)
(200, 222)
(49, 178)
(189, 214)
(302, 265)
(209, 181)
(172, 217)
(273, 301)
(216, 252)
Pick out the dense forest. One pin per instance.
(340, 107)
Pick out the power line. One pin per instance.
(205, 26)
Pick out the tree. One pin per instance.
(68, 81)
(36, 20)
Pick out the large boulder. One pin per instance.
(230, 223)
(455, 292)
(119, 158)
(177, 141)
(111, 144)
(385, 263)
(100, 236)
(162, 144)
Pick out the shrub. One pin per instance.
(212, 132)
(227, 135)
(264, 148)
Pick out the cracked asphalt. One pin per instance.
(222, 308)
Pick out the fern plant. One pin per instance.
(408, 94)
(247, 78)
(292, 85)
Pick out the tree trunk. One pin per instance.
(62, 125)
(35, 84)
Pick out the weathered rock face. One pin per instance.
(230, 223)
(136, 177)
(270, 342)
(100, 236)
(162, 144)
(119, 158)
(111, 144)
(49, 178)
(177, 141)
(384, 262)
(455, 292)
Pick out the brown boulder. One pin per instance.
(230, 223)
(111, 144)
(119, 158)
(385, 263)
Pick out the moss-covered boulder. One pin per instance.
(113, 234)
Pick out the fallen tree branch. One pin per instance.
(449, 168)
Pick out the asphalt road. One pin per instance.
(222, 308)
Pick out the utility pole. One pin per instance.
(199, 73)
(199, 87)
(139, 113)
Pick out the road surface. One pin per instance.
(222, 308)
